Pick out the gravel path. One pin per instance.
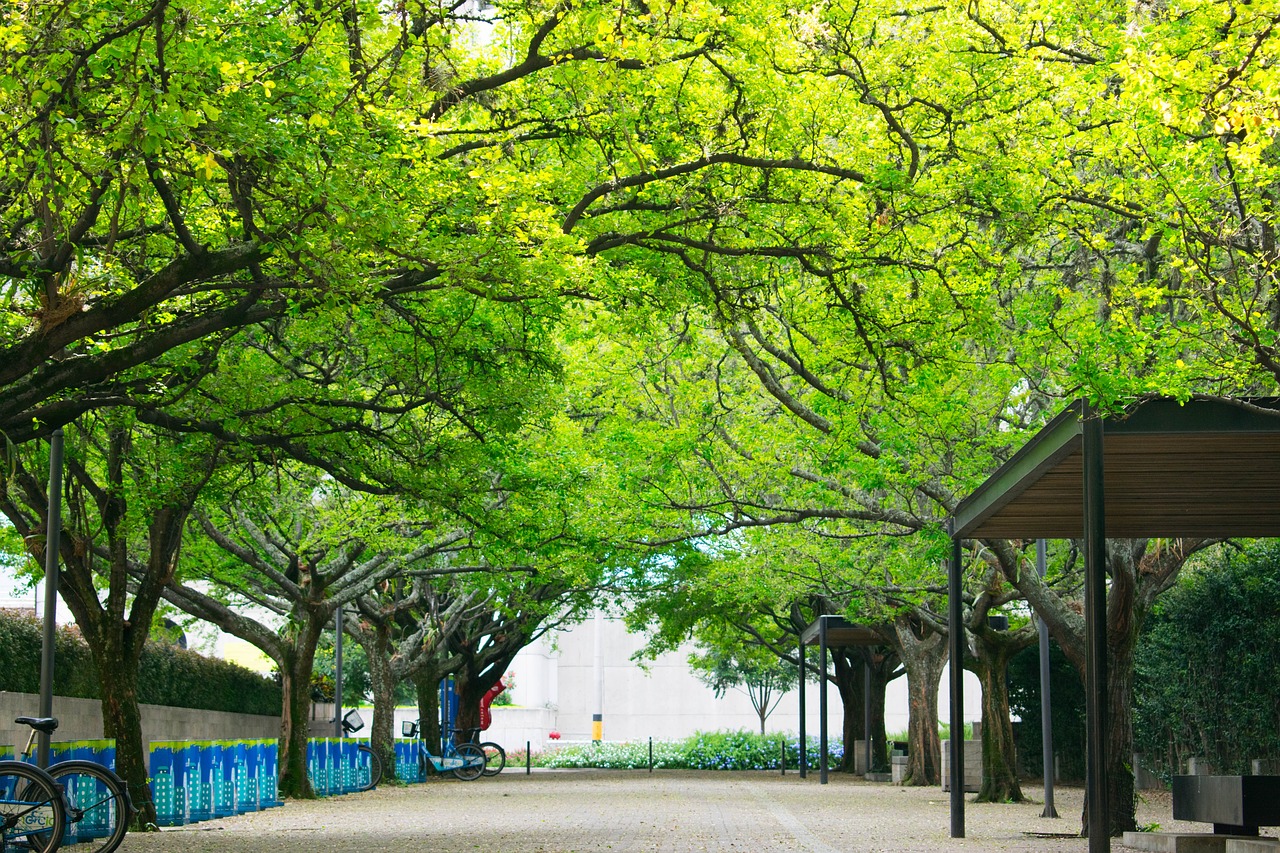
(635, 812)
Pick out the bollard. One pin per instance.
(650, 755)
(783, 763)
(527, 758)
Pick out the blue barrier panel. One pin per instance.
(246, 793)
(198, 767)
(166, 783)
(407, 766)
(337, 767)
(222, 778)
(269, 775)
(351, 778)
(106, 750)
(314, 773)
(92, 799)
(88, 795)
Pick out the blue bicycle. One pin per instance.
(465, 761)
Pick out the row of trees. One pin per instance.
(439, 311)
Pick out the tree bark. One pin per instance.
(295, 730)
(122, 721)
(850, 685)
(1139, 569)
(991, 652)
(924, 659)
(377, 642)
(427, 683)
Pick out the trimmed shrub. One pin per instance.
(741, 750)
(168, 675)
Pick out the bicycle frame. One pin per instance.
(448, 759)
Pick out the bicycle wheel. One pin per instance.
(97, 805)
(474, 758)
(375, 768)
(31, 811)
(495, 758)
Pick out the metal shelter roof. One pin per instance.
(841, 632)
(1204, 468)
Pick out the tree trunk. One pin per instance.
(122, 720)
(382, 680)
(1140, 570)
(849, 684)
(881, 675)
(1119, 736)
(427, 682)
(850, 679)
(994, 649)
(295, 721)
(924, 660)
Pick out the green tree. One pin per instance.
(755, 671)
(300, 550)
(1204, 661)
(129, 491)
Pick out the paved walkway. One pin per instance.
(634, 812)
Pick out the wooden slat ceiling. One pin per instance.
(1170, 483)
(842, 633)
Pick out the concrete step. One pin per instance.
(1198, 842)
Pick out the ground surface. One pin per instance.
(634, 812)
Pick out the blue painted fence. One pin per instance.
(96, 822)
(193, 781)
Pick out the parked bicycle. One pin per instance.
(352, 722)
(495, 757)
(93, 802)
(32, 809)
(96, 800)
(466, 761)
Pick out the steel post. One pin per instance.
(1095, 606)
(955, 666)
(866, 710)
(337, 674)
(804, 750)
(52, 542)
(1046, 718)
(822, 701)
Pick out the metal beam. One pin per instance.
(866, 708)
(804, 752)
(822, 703)
(52, 542)
(955, 666)
(1046, 717)
(338, 730)
(1095, 607)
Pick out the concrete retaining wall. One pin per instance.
(81, 719)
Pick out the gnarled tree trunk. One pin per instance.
(924, 658)
(991, 652)
(377, 642)
(295, 731)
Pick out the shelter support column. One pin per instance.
(866, 710)
(955, 641)
(1046, 717)
(1095, 611)
(822, 701)
(804, 750)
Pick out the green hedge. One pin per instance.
(168, 675)
(742, 750)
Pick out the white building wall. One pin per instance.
(660, 699)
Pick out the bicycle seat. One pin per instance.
(40, 724)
